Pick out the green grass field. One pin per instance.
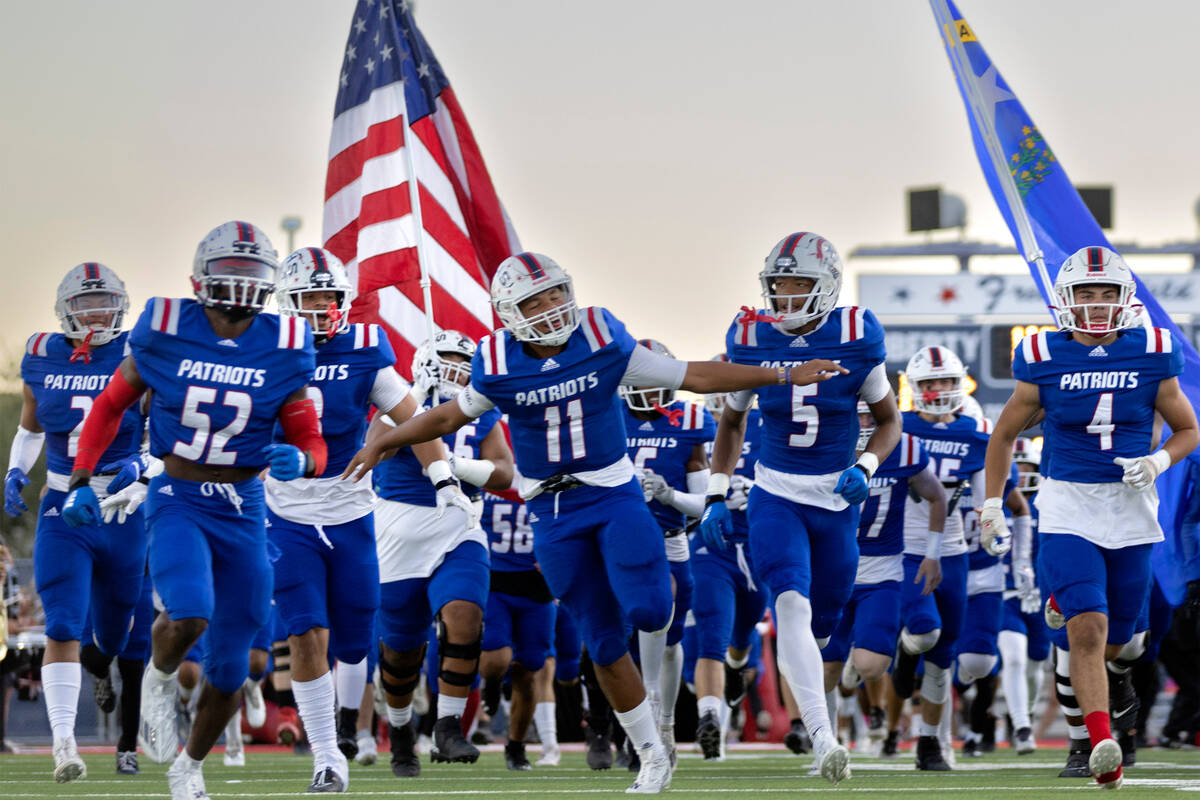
(761, 773)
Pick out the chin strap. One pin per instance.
(84, 350)
(674, 416)
(333, 320)
(754, 315)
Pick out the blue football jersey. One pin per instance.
(341, 388)
(563, 411)
(65, 391)
(215, 401)
(810, 430)
(659, 446)
(1099, 401)
(977, 557)
(400, 478)
(510, 536)
(881, 525)
(956, 448)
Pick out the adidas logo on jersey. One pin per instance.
(1098, 351)
(51, 512)
(167, 490)
(799, 341)
(549, 364)
(646, 426)
(227, 343)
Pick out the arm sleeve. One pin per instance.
(26, 447)
(473, 403)
(691, 502)
(740, 401)
(389, 389)
(1022, 548)
(876, 386)
(978, 489)
(647, 368)
(104, 421)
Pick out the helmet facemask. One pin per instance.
(939, 401)
(550, 327)
(797, 310)
(326, 319)
(236, 286)
(646, 398)
(1092, 318)
(98, 314)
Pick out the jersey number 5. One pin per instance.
(804, 415)
(193, 417)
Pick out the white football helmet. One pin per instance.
(930, 363)
(864, 431)
(450, 376)
(971, 408)
(1092, 265)
(1028, 451)
(802, 255)
(234, 269)
(314, 269)
(519, 278)
(648, 399)
(91, 299)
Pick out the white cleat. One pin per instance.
(655, 773)
(667, 734)
(551, 756)
(186, 782)
(833, 760)
(256, 709)
(1105, 764)
(156, 730)
(68, 766)
(368, 751)
(235, 754)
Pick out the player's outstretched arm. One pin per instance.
(104, 420)
(710, 377)
(930, 489)
(433, 424)
(1178, 413)
(26, 448)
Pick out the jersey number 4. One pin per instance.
(193, 417)
(1102, 424)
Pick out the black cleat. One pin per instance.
(514, 756)
(972, 748)
(1077, 760)
(599, 751)
(449, 744)
(904, 673)
(1123, 703)
(708, 736)
(797, 739)
(106, 697)
(405, 763)
(327, 781)
(490, 696)
(127, 763)
(735, 686)
(1128, 743)
(929, 755)
(890, 744)
(347, 732)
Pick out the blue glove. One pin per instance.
(81, 507)
(287, 461)
(14, 482)
(128, 470)
(852, 486)
(715, 524)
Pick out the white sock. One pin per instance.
(351, 681)
(925, 729)
(450, 706)
(399, 717)
(233, 733)
(1013, 650)
(672, 677)
(1077, 732)
(60, 683)
(640, 725)
(547, 725)
(831, 703)
(708, 704)
(800, 661)
(944, 729)
(314, 699)
(736, 663)
(652, 647)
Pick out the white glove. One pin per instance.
(424, 380)
(451, 495)
(124, 502)
(655, 487)
(1141, 472)
(1027, 591)
(739, 492)
(993, 532)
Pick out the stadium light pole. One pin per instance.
(291, 225)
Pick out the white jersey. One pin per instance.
(916, 530)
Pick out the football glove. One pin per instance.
(1027, 591)
(739, 492)
(655, 487)
(1141, 472)
(715, 524)
(852, 485)
(287, 462)
(450, 495)
(122, 504)
(128, 470)
(81, 507)
(14, 482)
(993, 531)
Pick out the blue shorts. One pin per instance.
(409, 606)
(527, 626)
(730, 603)
(685, 586)
(1032, 626)
(198, 652)
(208, 559)
(99, 567)
(807, 549)
(690, 648)
(1085, 577)
(137, 648)
(568, 646)
(985, 612)
(944, 609)
(327, 576)
(602, 554)
(871, 621)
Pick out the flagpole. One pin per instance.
(984, 116)
(414, 197)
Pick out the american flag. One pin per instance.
(393, 94)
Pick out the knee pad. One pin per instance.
(649, 617)
(973, 666)
(1013, 648)
(917, 643)
(466, 652)
(823, 642)
(793, 609)
(935, 686)
(399, 679)
(607, 650)
(227, 676)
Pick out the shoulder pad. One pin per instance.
(908, 450)
(692, 418)
(365, 335)
(164, 315)
(291, 333)
(853, 323)
(983, 425)
(38, 344)
(744, 330)
(1158, 340)
(492, 349)
(1035, 348)
(594, 322)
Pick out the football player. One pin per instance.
(434, 564)
(222, 376)
(733, 598)
(554, 369)
(101, 564)
(667, 441)
(871, 622)
(1100, 384)
(804, 506)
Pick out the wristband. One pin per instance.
(1161, 459)
(439, 472)
(933, 545)
(993, 503)
(718, 485)
(783, 375)
(868, 463)
(77, 482)
(475, 471)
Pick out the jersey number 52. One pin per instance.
(201, 422)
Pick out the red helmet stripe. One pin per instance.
(1095, 259)
(319, 259)
(245, 231)
(91, 271)
(935, 356)
(789, 244)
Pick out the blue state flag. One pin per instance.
(1061, 224)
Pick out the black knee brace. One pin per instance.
(406, 677)
(466, 652)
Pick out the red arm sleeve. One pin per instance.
(302, 428)
(104, 421)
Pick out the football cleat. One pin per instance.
(797, 739)
(256, 709)
(1055, 619)
(1077, 760)
(67, 764)
(127, 763)
(106, 697)
(832, 759)
(876, 724)
(551, 756)
(708, 736)
(235, 754)
(186, 782)
(368, 751)
(449, 744)
(1024, 743)
(929, 755)
(327, 781)
(1104, 764)
(599, 749)
(156, 731)
(654, 774)
(515, 758)
(405, 763)
(347, 731)
(735, 686)
(890, 745)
